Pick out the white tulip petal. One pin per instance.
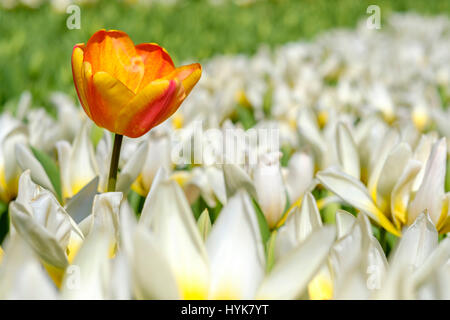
(174, 227)
(28, 190)
(40, 239)
(235, 251)
(431, 192)
(161, 175)
(105, 215)
(422, 154)
(299, 225)
(83, 165)
(270, 189)
(217, 182)
(156, 159)
(127, 227)
(132, 168)
(121, 282)
(26, 160)
(378, 160)
(357, 258)
(291, 275)
(344, 223)
(14, 137)
(346, 150)
(80, 205)
(22, 275)
(402, 192)
(149, 260)
(47, 212)
(235, 179)
(88, 276)
(426, 280)
(308, 128)
(415, 246)
(299, 176)
(354, 192)
(392, 170)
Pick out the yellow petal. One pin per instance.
(115, 96)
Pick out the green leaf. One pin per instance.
(4, 221)
(267, 102)
(329, 213)
(136, 201)
(200, 205)
(262, 222)
(204, 224)
(391, 241)
(287, 152)
(270, 249)
(51, 169)
(245, 116)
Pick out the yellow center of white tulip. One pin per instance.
(322, 118)
(321, 287)
(192, 286)
(420, 118)
(3, 185)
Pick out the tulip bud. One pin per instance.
(269, 188)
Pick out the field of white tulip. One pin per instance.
(350, 201)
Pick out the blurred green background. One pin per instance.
(36, 45)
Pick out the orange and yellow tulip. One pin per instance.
(129, 89)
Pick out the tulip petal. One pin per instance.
(391, 172)
(22, 275)
(236, 178)
(105, 216)
(309, 130)
(26, 160)
(156, 60)
(344, 223)
(289, 277)
(87, 277)
(113, 97)
(188, 75)
(77, 73)
(236, 251)
(402, 192)
(80, 205)
(378, 160)
(78, 167)
(300, 175)
(411, 252)
(346, 151)
(132, 168)
(422, 154)
(113, 52)
(38, 237)
(355, 193)
(299, 225)
(170, 217)
(431, 192)
(148, 108)
(426, 278)
(148, 260)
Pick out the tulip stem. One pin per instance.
(114, 162)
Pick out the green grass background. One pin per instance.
(35, 45)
